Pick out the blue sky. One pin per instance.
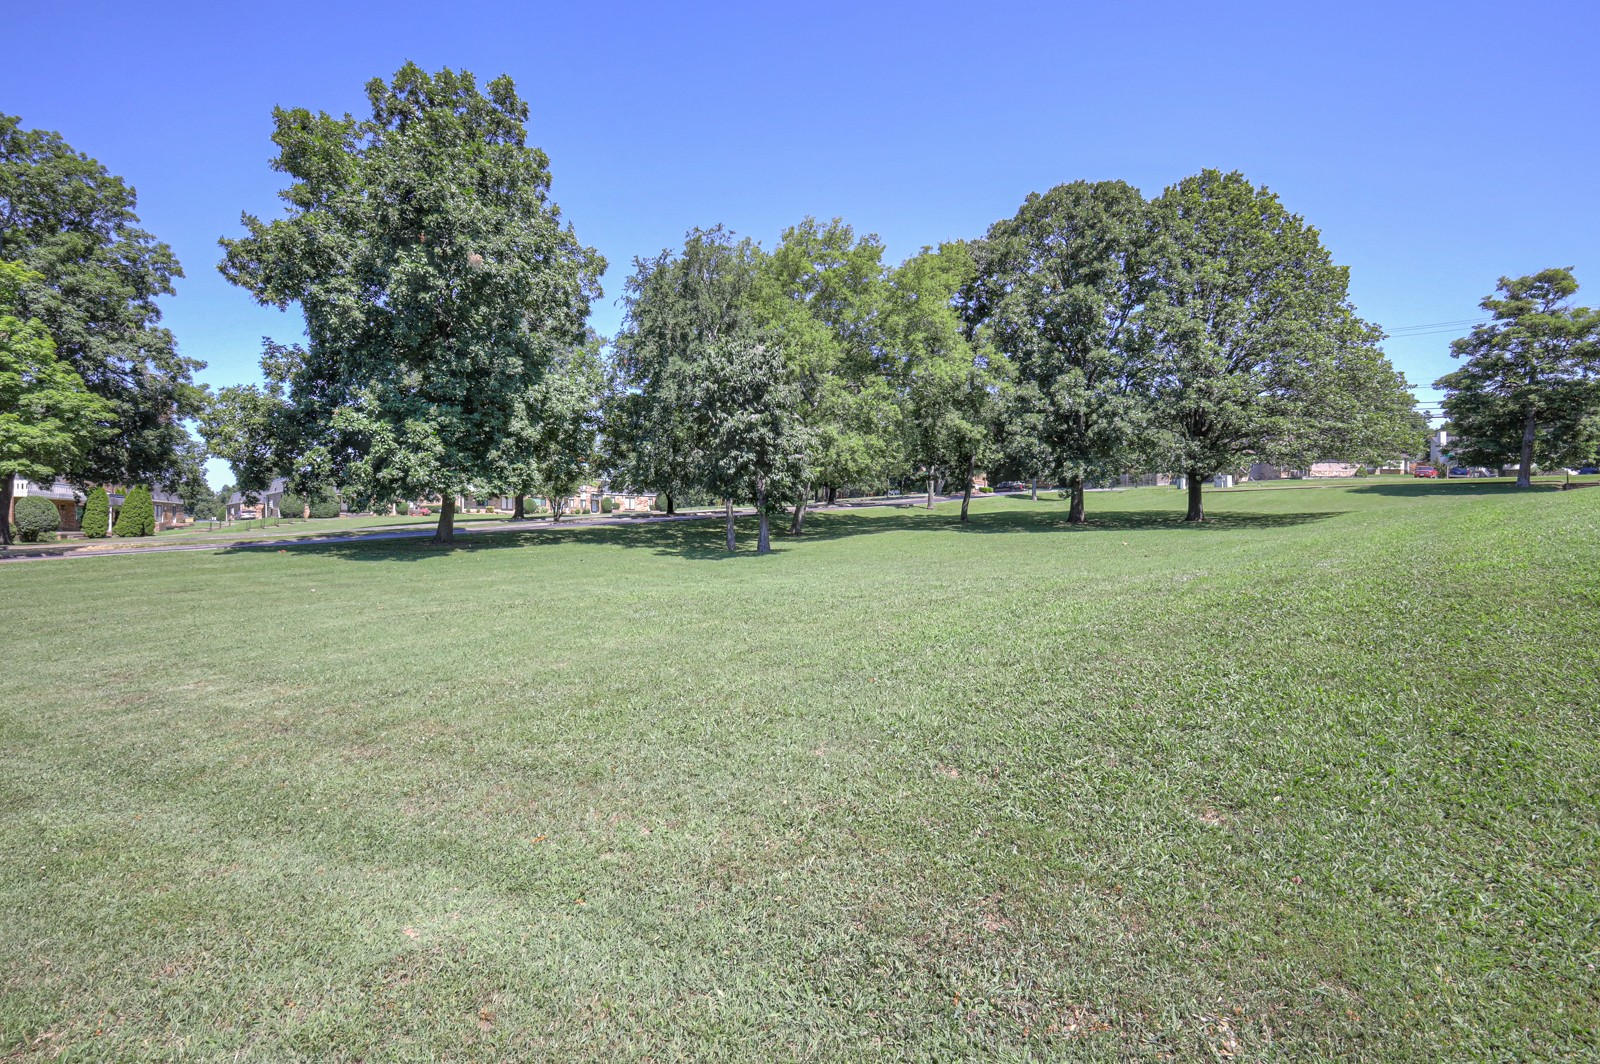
(1436, 146)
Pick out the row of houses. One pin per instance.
(69, 500)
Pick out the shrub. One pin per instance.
(325, 507)
(607, 504)
(96, 521)
(35, 517)
(660, 504)
(138, 514)
(292, 505)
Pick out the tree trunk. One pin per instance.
(519, 508)
(305, 516)
(732, 546)
(1525, 469)
(7, 490)
(966, 494)
(670, 510)
(763, 538)
(796, 526)
(1197, 510)
(1035, 486)
(930, 489)
(445, 534)
(833, 494)
(1075, 509)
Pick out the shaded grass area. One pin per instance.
(1317, 780)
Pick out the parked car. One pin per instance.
(1460, 471)
(1588, 471)
(1425, 471)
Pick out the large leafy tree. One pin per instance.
(747, 408)
(96, 280)
(238, 426)
(1527, 386)
(679, 305)
(1060, 289)
(48, 419)
(435, 276)
(953, 385)
(551, 452)
(1249, 316)
(820, 294)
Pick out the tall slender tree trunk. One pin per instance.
(833, 494)
(798, 524)
(1075, 508)
(764, 538)
(732, 546)
(519, 508)
(930, 488)
(966, 494)
(7, 491)
(1034, 484)
(670, 510)
(1197, 509)
(1525, 468)
(446, 532)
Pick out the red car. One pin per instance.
(1425, 471)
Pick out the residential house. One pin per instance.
(69, 500)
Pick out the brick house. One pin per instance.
(69, 500)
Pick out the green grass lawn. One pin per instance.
(1315, 781)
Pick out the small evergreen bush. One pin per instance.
(138, 514)
(96, 522)
(35, 518)
(607, 504)
(292, 505)
(325, 507)
(660, 505)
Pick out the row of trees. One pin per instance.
(1094, 333)
(446, 352)
(1529, 387)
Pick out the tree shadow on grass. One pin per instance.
(1450, 489)
(705, 540)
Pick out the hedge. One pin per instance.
(97, 514)
(35, 518)
(138, 514)
(607, 504)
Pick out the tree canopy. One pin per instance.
(435, 276)
(1530, 384)
(95, 280)
(49, 421)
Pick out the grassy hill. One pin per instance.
(1318, 779)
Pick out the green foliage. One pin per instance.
(49, 421)
(292, 505)
(820, 296)
(1253, 333)
(677, 307)
(953, 385)
(436, 280)
(138, 514)
(324, 507)
(1059, 289)
(34, 516)
(608, 504)
(659, 504)
(98, 281)
(1529, 391)
(96, 521)
(238, 425)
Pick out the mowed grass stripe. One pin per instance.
(1317, 780)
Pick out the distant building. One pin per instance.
(69, 501)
